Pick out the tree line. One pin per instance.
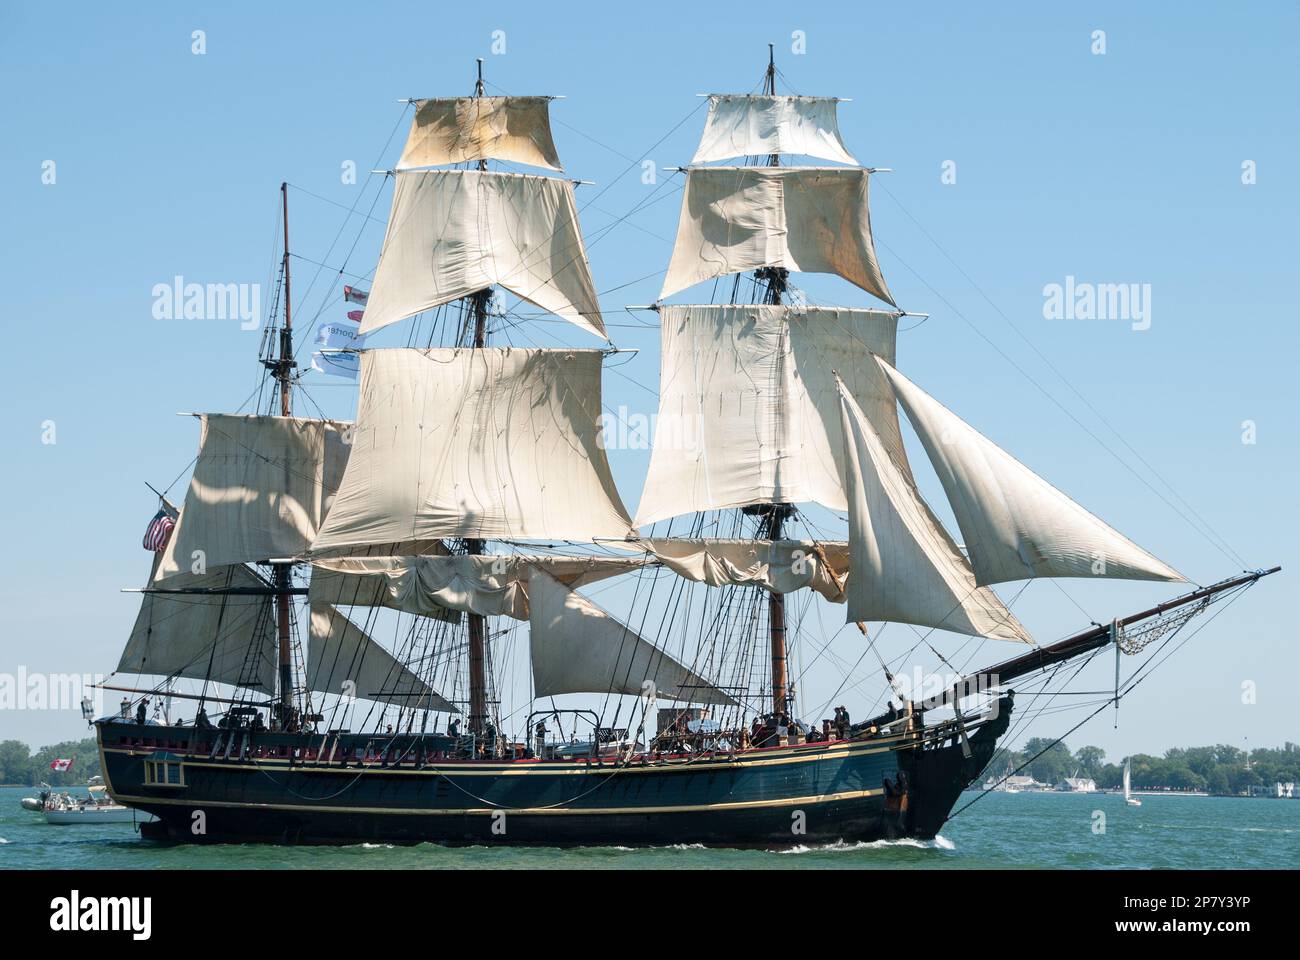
(1221, 769)
(19, 765)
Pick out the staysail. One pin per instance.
(224, 638)
(452, 233)
(1015, 524)
(488, 443)
(810, 219)
(903, 566)
(342, 659)
(748, 407)
(757, 125)
(260, 489)
(465, 129)
(578, 648)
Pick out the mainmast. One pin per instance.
(478, 705)
(774, 515)
(282, 370)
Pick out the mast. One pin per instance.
(282, 368)
(478, 706)
(774, 515)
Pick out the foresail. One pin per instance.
(343, 660)
(452, 233)
(487, 584)
(781, 566)
(1015, 524)
(758, 125)
(748, 407)
(903, 566)
(260, 489)
(809, 219)
(489, 443)
(578, 648)
(223, 638)
(466, 129)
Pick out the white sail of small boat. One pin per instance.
(1128, 789)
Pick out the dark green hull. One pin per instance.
(859, 790)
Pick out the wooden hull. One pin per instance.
(852, 791)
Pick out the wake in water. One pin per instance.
(840, 846)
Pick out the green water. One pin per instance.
(1000, 831)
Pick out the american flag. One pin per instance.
(159, 531)
(60, 766)
(355, 295)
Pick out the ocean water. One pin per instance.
(1000, 831)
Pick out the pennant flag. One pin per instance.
(60, 766)
(356, 315)
(160, 529)
(354, 295)
(334, 335)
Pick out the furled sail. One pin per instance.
(755, 125)
(807, 219)
(225, 638)
(342, 659)
(782, 566)
(579, 648)
(903, 566)
(489, 443)
(748, 407)
(452, 233)
(1015, 524)
(261, 487)
(465, 129)
(487, 584)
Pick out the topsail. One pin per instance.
(763, 124)
(465, 129)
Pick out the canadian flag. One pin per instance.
(60, 766)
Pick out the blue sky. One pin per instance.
(1117, 168)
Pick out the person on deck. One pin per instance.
(142, 710)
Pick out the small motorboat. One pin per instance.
(98, 807)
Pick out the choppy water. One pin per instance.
(1001, 831)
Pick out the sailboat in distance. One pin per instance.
(1131, 800)
(463, 522)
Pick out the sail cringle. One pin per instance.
(578, 648)
(225, 638)
(488, 443)
(1015, 524)
(748, 407)
(487, 584)
(903, 566)
(342, 659)
(781, 566)
(465, 129)
(260, 489)
(452, 233)
(809, 219)
(757, 125)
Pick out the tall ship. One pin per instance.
(351, 605)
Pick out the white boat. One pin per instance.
(1131, 800)
(98, 807)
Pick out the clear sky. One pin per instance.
(1121, 167)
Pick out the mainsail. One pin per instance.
(485, 443)
(810, 219)
(465, 129)
(578, 648)
(751, 125)
(903, 566)
(260, 489)
(748, 407)
(781, 566)
(224, 638)
(1015, 524)
(452, 233)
